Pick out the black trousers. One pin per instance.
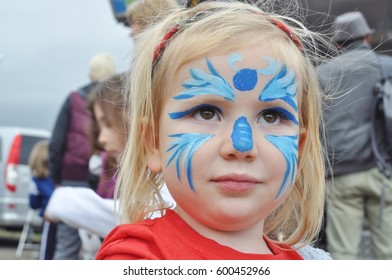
(48, 241)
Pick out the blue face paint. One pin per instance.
(272, 68)
(233, 59)
(242, 135)
(182, 114)
(182, 151)
(204, 84)
(246, 79)
(288, 146)
(282, 87)
(286, 114)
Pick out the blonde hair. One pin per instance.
(222, 27)
(102, 67)
(38, 160)
(146, 12)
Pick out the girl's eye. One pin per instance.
(206, 114)
(270, 117)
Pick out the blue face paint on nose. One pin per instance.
(242, 135)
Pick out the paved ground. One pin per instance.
(8, 245)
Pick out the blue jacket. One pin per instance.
(39, 193)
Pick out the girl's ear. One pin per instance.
(154, 161)
(301, 140)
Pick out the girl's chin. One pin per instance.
(235, 219)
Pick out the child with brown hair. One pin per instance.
(40, 190)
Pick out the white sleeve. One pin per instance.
(95, 164)
(82, 208)
(33, 188)
(312, 253)
(168, 199)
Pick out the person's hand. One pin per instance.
(48, 219)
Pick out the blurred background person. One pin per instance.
(105, 155)
(142, 13)
(108, 129)
(40, 190)
(355, 184)
(70, 151)
(94, 212)
(91, 212)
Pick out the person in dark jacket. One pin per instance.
(70, 151)
(355, 184)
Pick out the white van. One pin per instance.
(16, 144)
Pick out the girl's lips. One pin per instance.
(236, 183)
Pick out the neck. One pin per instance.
(249, 240)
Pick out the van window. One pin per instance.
(28, 143)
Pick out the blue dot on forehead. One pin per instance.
(245, 79)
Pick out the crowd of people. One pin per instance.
(233, 135)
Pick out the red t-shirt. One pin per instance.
(170, 238)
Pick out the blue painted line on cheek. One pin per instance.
(242, 135)
(183, 150)
(288, 146)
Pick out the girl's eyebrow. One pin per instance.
(282, 87)
(203, 83)
(285, 113)
(178, 115)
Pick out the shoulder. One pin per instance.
(148, 239)
(332, 66)
(386, 62)
(86, 89)
(131, 241)
(385, 58)
(33, 188)
(312, 253)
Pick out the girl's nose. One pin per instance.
(101, 138)
(240, 145)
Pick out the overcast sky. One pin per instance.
(45, 48)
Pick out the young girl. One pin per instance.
(93, 212)
(225, 111)
(40, 191)
(108, 132)
(109, 129)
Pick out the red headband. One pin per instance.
(172, 31)
(165, 38)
